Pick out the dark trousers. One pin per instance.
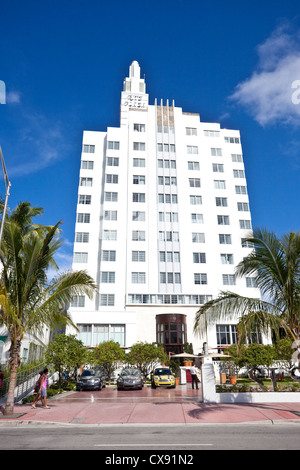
(194, 380)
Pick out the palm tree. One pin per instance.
(28, 301)
(276, 264)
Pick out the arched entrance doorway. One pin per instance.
(171, 332)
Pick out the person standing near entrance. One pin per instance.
(193, 372)
(43, 388)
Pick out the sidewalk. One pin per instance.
(160, 406)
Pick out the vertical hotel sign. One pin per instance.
(2, 92)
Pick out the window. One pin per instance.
(139, 162)
(138, 256)
(83, 218)
(197, 218)
(110, 196)
(168, 236)
(108, 255)
(228, 279)
(221, 201)
(192, 149)
(80, 257)
(211, 133)
(111, 179)
(165, 129)
(89, 148)
(107, 277)
(168, 216)
(82, 237)
(226, 334)
(138, 197)
(196, 200)
(112, 161)
(245, 224)
(246, 243)
(240, 190)
(199, 257)
(86, 181)
(113, 145)
(139, 127)
(107, 300)
(139, 146)
(219, 184)
(223, 219)
(139, 179)
(139, 216)
(167, 198)
(138, 235)
(218, 168)
(166, 163)
(238, 174)
(224, 239)
(117, 334)
(138, 278)
(169, 278)
(236, 157)
(200, 278)
(243, 206)
(84, 199)
(78, 301)
(216, 152)
(226, 258)
(191, 131)
(109, 234)
(251, 282)
(194, 182)
(198, 237)
(193, 166)
(232, 140)
(167, 180)
(110, 215)
(87, 165)
(169, 256)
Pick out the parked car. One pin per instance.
(162, 377)
(90, 380)
(130, 378)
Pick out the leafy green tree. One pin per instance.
(66, 353)
(109, 355)
(275, 262)
(28, 300)
(145, 356)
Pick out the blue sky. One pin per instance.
(63, 64)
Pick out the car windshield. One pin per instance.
(86, 373)
(134, 372)
(162, 372)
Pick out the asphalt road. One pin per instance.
(155, 439)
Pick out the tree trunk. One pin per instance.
(14, 363)
(9, 407)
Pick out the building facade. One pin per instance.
(162, 212)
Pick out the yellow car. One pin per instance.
(162, 377)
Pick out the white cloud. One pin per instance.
(268, 94)
(42, 144)
(13, 97)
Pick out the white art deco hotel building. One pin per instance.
(162, 211)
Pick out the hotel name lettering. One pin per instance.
(135, 101)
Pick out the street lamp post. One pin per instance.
(7, 188)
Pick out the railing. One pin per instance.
(25, 383)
